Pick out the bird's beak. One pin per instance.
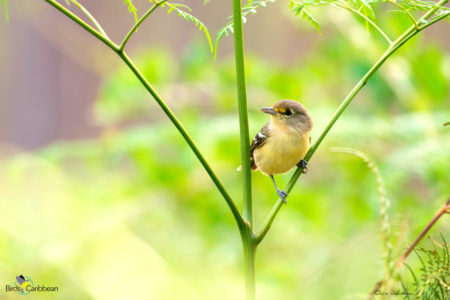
(268, 110)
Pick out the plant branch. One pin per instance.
(243, 110)
(93, 20)
(345, 6)
(407, 35)
(434, 20)
(235, 211)
(138, 23)
(444, 209)
(186, 137)
(83, 24)
(405, 11)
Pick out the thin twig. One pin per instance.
(91, 17)
(83, 24)
(444, 208)
(351, 9)
(405, 11)
(138, 23)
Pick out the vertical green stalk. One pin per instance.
(249, 247)
(5, 9)
(243, 113)
(248, 244)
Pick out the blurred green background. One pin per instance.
(130, 213)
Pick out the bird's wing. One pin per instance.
(20, 279)
(258, 141)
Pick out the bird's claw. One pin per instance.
(283, 195)
(304, 165)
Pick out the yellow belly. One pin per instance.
(281, 152)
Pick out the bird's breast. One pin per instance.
(282, 151)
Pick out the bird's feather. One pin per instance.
(258, 141)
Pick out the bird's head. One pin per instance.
(290, 113)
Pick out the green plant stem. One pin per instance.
(5, 9)
(405, 11)
(138, 23)
(83, 24)
(248, 244)
(407, 35)
(237, 216)
(345, 6)
(243, 111)
(93, 20)
(186, 137)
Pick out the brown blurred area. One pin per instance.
(51, 69)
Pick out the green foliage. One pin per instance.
(131, 8)
(249, 8)
(102, 197)
(302, 9)
(432, 282)
(125, 195)
(363, 8)
(182, 11)
(5, 9)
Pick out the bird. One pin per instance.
(283, 142)
(22, 282)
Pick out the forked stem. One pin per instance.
(138, 23)
(234, 210)
(400, 41)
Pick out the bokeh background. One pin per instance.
(100, 196)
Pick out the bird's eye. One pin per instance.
(288, 113)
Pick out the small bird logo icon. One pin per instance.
(23, 283)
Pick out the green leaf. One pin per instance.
(5, 9)
(249, 8)
(301, 9)
(131, 9)
(366, 9)
(181, 11)
(306, 15)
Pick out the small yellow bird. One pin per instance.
(283, 142)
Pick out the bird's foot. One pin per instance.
(303, 164)
(283, 195)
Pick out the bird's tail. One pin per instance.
(254, 168)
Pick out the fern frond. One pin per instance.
(364, 8)
(432, 282)
(302, 9)
(181, 10)
(249, 8)
(131, 9)
(306, 15)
